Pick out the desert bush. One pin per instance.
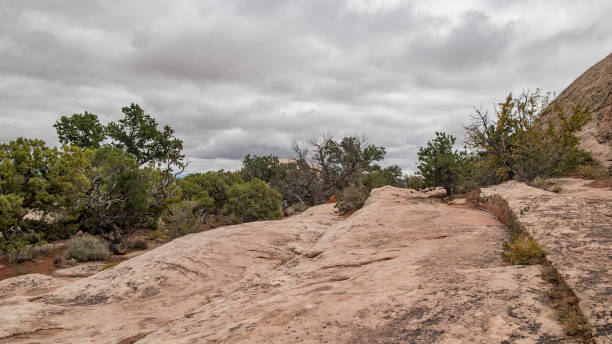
(156, 234)
(208, 189)
(87, 247)
(539, 182)
(518, 142)
(414, 182)
(295, 209)
(336, 164)
(137, 244)
(544, 184)
(351, 198)
(20, 252)
(24, 246)
(183, 218)
(523, 250)
(378, 177)
(592, 172)
(472, 193)
(253, 201)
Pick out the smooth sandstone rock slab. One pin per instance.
(403, 269)
(575, 227)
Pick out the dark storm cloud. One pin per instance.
(238, 77)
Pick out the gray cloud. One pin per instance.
(238, 77)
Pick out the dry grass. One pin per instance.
(109, 265)
(544, 184)
(566, 304)
(523, 250)
(592, 172)
(539, 182)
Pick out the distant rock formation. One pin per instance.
(593, 89)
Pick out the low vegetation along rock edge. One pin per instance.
(522, 249)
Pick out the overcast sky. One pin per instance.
(252, 76)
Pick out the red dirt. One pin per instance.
(40, 265)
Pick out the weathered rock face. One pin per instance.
(575, 226)
(593, 89)
(403, 269)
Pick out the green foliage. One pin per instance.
(11, 212)
(123, 196)
(87, 247)
(299, 185)
(82, 130)
(184, 218)
(208, 189)
(519, 143)
(47, 182)
(252, 201)
(351, 198)
(336, 164)
(295, 209)
(156, 234)
(266, 168)
(378, 177)
(137, 134)
(414, 182)
(594, 172)
(440, 165)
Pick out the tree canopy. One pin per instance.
(82, 130)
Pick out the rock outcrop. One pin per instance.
(403, 269)
(575, 226)
(593, 89)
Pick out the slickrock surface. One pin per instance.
(575, 226)
(594, 90)
(403, 269)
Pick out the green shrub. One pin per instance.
(523, 250)
(209, 189)
(124, 196)
(253, 201)
(295, 209)
(183, 218)
(414, 182)
(352, 198)
(378, 177)
(20, 253)
(525, 138)
(87, 247)
(440, 165)
(24, 246)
